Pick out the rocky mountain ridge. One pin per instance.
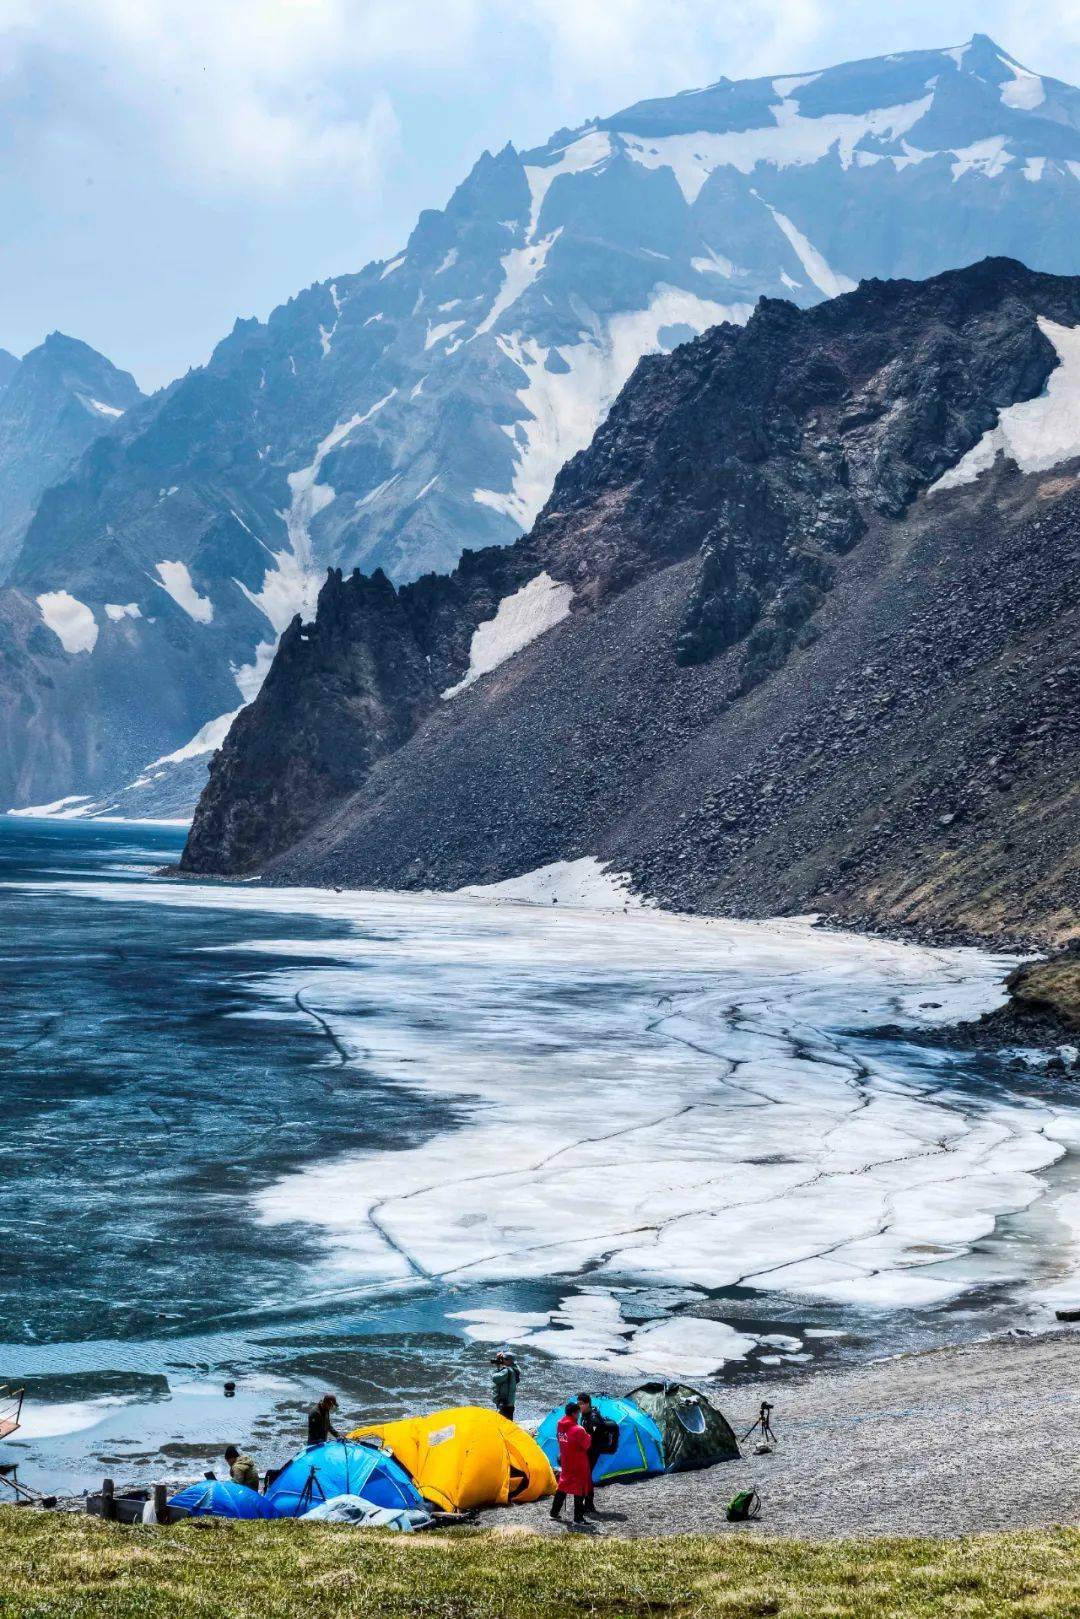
(54, 403)
(397, 416)
(796, 632)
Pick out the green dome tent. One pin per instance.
(695, 1433)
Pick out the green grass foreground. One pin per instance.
(57, 1567)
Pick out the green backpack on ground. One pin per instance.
(743, 1505)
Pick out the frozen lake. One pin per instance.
(301, 1138)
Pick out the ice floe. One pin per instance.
(590, 1328)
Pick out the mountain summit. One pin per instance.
(394, 417)
(53, 404)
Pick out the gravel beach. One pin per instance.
(949, 1442)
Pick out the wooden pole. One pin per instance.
(161, 1504)
(108, 1502)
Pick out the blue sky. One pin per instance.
(167, 165)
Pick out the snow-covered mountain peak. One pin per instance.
(473, 363)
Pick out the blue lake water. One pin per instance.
(356, 1141)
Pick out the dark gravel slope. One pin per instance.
(791, 681)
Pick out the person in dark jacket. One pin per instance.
(505, 1378)
(319, 1426)
(574, 1476)
(596, 1427)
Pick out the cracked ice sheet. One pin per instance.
(650, 1098)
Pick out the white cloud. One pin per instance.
(237, 94)
(637, 48)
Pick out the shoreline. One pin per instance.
(958, 1440)
(951, 1441)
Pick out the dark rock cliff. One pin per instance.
(789, 681)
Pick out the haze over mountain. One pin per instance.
(394, 417)
(795, 633)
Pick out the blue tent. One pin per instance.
(340, 1467)
(640, 1449)
(220, 1498)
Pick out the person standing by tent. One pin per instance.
(505, 1378)
(603, 1440)
(319, 1426)
(575, 1477)
(242, 1469)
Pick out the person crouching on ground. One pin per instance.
(242, 1469)
(505, 1378)
(319, 1426)
(574, 1476)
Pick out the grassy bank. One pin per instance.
(54, 1567)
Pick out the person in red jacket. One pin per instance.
(575, 1474)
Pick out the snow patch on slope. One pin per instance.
(826, 279)
(436, 334)
(787, 87)
(520, 618)
(584, 153)
(291, 586)
(120, 610)
(61, 809)
(790, 140)
(986, 157)
(520, 268)
(207, 739)
(100, 407)
(564, 408)
(1025, 90)
(70, 620)
(585, 883)
(175, 581)
(1039, 433)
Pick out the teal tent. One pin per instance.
(220, 1498)
(640, 1450)
(340, 1467)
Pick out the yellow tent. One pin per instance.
(466, 1457)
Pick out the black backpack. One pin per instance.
(605, 1436)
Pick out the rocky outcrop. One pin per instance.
(790, 680)
(1049, 989)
